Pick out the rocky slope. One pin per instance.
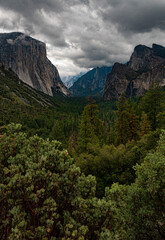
(94, 79)
(70, 80)
(13, 92)
(135, 78)
(27, 57)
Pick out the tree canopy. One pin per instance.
(43, 195)
(140, 207)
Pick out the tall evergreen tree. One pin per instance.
(72, 143)
(145, 126)
(134, 124)
(152, 103)
(90, 126)
(122, 121)
(57, 132)
(127, 122)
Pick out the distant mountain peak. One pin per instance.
(94, 79)
(70, 80)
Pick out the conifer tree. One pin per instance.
(134, 124)
(152, 103)
(71, 143)
(127, 122)
(57, 131)
(145, 126)
(90, 126)
(122, 121)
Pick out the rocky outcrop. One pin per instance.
(27, 57)
(14, 91)
(94, 80)
(144, 58)
(70, 80)
(118, 81)
(135, 78)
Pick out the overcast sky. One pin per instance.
(82, 34)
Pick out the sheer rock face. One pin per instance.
(135, 78)
(26, 56)
(94, 80)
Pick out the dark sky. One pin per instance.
(81, 34)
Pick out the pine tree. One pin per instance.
(134, 125)
(127, 122)
(57, 132)
(90, 126)
(122, 122)
(152, 103)
(145, 126)
(71, 143)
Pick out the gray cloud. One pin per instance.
(27, 8)
(86, 33)
(133, 16)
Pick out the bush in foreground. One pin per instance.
(43, 195)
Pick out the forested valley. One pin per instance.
(76, 168)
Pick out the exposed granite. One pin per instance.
(135, 78)
(27, 57)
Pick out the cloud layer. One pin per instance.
(81, 34)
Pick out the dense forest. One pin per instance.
(75, 168)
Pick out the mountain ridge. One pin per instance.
(93, 79)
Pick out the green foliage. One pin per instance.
(145, 126)
(54, 117)
(90, 127)
(122, 121)
(161, 118)
(43, 195)
(57, 131)
(152, 103)
(111, 164)
(140, 207)
(127, 123)
(133, 124)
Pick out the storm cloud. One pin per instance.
(82, 34)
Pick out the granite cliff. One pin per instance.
(135, 77)
(27, 57)
(94, 79)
